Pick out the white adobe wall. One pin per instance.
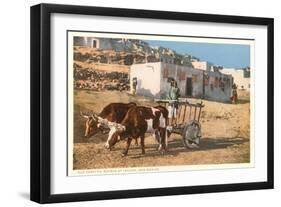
(148, 77)
(238, 76)
(153, 81)
(202, 65)
(216, 93)
(174, 72)
(199, 65)
(211, 93)
(88, 41)
(101, 43)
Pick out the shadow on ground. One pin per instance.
(206, 144)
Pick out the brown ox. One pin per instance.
(138, 121)
(114, 112)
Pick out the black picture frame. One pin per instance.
(41, 99)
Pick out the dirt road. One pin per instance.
(225, 136)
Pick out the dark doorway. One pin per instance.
(188, 87)
(94, 43)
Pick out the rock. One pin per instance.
(97, 81)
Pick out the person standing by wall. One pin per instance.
(234, 97)
(173, 97)
(135, 83)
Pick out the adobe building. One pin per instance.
(202, 65)
(241, 77)
(93, 42)
(153, 81)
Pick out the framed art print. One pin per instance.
(132, 103)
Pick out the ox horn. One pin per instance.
(94, 116)
(84, 115)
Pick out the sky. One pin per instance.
(227, 55)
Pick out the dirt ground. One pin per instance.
(225, 136)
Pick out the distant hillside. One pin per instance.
(128, 52)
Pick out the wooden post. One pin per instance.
(199, 113)
(189, 113)
(178, 114)
(183, 118)
(194, 118)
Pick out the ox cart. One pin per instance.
(187, 121)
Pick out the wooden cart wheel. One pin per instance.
(191, 134)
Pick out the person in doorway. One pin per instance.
(173, 97)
